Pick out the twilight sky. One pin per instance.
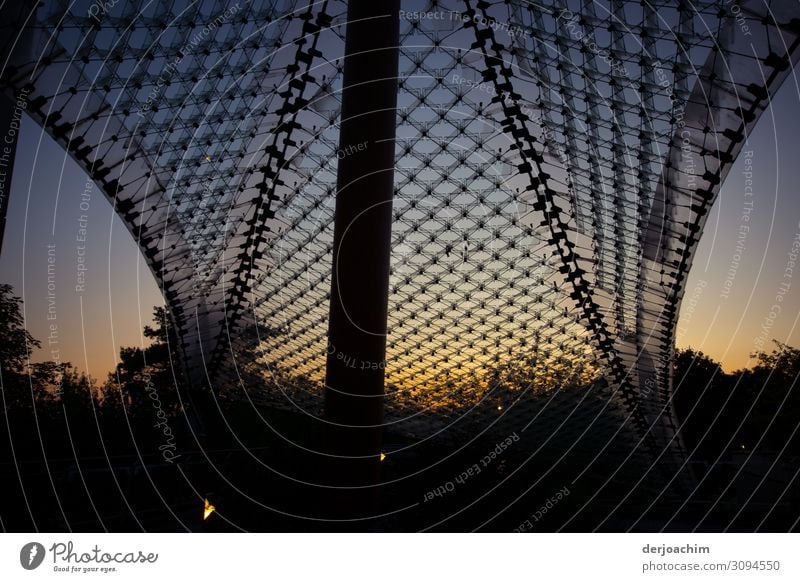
(48, 197)
(727, 310)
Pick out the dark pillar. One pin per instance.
(362, 237)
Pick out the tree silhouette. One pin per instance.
(15, 340)
(143, 371)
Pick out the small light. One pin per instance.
(743, 447)
(499, 407)
(208, 509)
(383, 456)
(207, 158)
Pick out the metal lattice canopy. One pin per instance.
(555, 167)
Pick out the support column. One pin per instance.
(362, 240)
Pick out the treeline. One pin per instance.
(137, 408)
(86, 455)
(755, 408)
(53, 411)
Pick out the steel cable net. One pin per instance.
(555, 165)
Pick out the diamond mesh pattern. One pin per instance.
(555, 165)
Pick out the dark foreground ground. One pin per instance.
(263, 480)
